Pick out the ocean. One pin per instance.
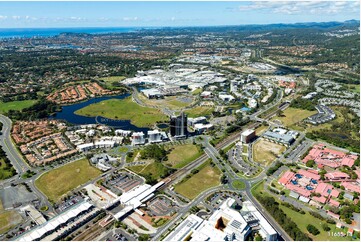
(47, 32)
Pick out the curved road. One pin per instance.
(11, 151)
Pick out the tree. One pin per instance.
(312, 229)
(325, 227)
(143, 237)
(224, 179)
(310, 163)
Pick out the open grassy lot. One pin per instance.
(182, 155)
(5, 171)
(171, 102)
(197, 91)
(206, 178)
(353, 88)
(238, 184)
(124, 109)
(199, 111)
(59, 181)
(112, 78)
(265, 152)
(15, 105)
(302, 220)
(155, 170)
(261, 129)
(292, 116)
(9, 219)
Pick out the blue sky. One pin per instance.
(129, 14)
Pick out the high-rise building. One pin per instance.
(248, 135)
(178, 126)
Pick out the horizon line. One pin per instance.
(185, 26)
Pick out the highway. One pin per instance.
(11, 151)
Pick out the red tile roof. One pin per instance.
(300, 190)
(350, 186)
(309, 174)
(336, 175)
(334, 203)
(319, 199)
(324, 189)
(287, 176)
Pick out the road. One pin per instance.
(212, 153)
(11, 151)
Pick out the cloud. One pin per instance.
(130, 19)
(304, 7)
(3, 17)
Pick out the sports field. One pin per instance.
(59, 181)
(15, 105)
(124, 109)
(206, 178)
(182, 155)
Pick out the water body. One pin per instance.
(48, 32)
(68, 115)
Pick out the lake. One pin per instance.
(67, 114)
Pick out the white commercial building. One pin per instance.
(132, 199)
(225, 224)
(198, 120)
(154, 136)
(56, 223)
(226, 97)
(200, 128)
(123, 133)
(138, 138)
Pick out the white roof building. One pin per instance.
(40, 231)
(138, 138)
(154, 136)
(225, 224)
(226, 97)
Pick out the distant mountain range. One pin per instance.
(254, 27)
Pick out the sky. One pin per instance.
(154, 14)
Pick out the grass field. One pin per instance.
(124, 109)
(199, 111)
(112, 78)
(238, 184)
(353, 88)
(59, 181)
(154, 169)
(182, 155)
(265, 152)
(170, 102)
(4, 172)
(261, 129)
(206, 178)
(15, 105)
(292, 116)
(9, 219)
(302, 220)
(197, 91)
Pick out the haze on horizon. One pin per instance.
(171, 14)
